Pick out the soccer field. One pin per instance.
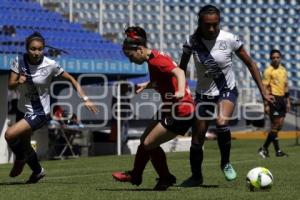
(90, 178)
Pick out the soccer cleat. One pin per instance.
(17, 168)
(281, 154)
(127, 177)
(34, 178)
(164, 183)
(263, 152)
(229, 172)
(192, 182)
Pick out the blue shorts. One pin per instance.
(34, 120)
(206, 106)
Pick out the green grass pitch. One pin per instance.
(90, 178)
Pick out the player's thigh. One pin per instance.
(149, 128)
(277, 122)
(21, 128)
(158, 135)
(225, 111)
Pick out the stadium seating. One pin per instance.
(262, 24)
(27, 16)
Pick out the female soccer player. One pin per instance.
(175, 117)
(212, 50)
(276, 83)
(31, 74)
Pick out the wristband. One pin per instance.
(85, 98)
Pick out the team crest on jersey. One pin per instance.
(44, 72)
(223, 45)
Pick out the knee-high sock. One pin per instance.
(159, 162)
(31, 156)
(196, 158)
(275, 141)
(272, 135)
(17, 148)
(141, 159)
(224, 142)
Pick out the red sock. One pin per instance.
(141, 159)
(159, 162)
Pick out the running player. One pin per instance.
(212, 50)
(32, 74)
(169, 80)
(276, 83)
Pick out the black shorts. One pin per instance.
(177, 125)
(278, 109)
(35, 121)
(206, 106)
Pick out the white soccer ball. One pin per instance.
(259, 178)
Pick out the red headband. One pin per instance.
(132, 35)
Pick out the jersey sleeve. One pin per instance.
(267, 77)
(236, 43)
(187, 48)
(58, 70)
(15, 65)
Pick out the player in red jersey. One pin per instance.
(175, 117)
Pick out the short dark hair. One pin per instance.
(208, 9)
(34, 36)
(274, 51)
(135, 36)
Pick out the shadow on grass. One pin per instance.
(149, 189)
(42, 182)
(13, 183)
(209, 186)
(125, 189)
(200, 186)
(60, 182)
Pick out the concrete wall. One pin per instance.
(5, 154)
(3, 99)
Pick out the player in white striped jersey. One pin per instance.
(32, 74)
(212, 50)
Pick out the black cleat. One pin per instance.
(281, 154)
(164, 183)
(192, 182)
(263, 152)
(34, 178)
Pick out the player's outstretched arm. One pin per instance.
(243, 55)
(88, 104)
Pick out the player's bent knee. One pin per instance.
(9, 135)
(198, 139)
(222, 123)
(148, 145)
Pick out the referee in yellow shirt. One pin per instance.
(276, 83)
